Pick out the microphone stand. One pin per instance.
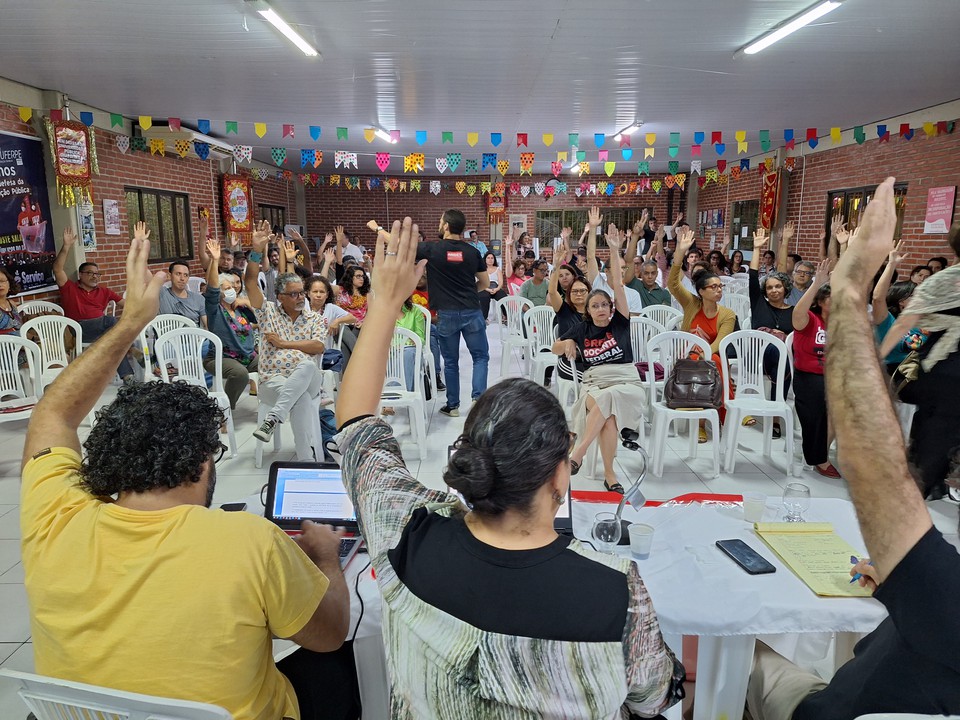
(634, 496)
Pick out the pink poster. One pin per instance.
(939, 210)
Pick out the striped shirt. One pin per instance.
(443, 667)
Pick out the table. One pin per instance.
(697, 590)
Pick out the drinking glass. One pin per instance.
(606, 531)
(796, 501)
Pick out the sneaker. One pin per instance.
(440, 385)
(449, 411)
(265, 431)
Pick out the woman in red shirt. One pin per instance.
(810, 318)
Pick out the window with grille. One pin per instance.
(745, 216)
(549, 223)
(167, 215)
(848, 206)
(275, 214)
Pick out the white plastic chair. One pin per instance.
(429, 363)
(567, 390)
(184, 349)
(33, 307)
(263, 409)
(738, 285)
(642, 329)
(667, 316)
(111, 308)
(740, 304)
(193, 284)
(54, 699)
(395, 393)
(511, 334)
(669, 347)
(54, 356)
(541, 335)
(16, 399)
(151, 333)
(748, 350)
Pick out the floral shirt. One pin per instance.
(271, 318)
(356, 305)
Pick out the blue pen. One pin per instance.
(854, 560)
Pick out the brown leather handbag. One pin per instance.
(693, 385)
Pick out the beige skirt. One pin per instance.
(617, 390)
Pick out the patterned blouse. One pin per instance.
(443, 667)
(271, 318)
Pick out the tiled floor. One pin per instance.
(238, 478)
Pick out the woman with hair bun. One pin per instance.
(488, 613)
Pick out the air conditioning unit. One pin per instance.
(218, 148)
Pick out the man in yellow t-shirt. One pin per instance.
(154, 592)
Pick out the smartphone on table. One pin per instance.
(746, 557)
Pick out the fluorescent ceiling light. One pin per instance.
(384, 135)
(789, 26)
(628, 130)
(280, 24)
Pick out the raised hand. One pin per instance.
(644, 217)
(141, 231)
(789, 230)
(204, 224)
(679, 218)
(395, 256)
(565, 233)
(660, 234)
(290, 250)
(594, 218)
(870, 243)
(213, 249)
(760, 238)
(69, 237)
(560, 256)
(895, 256)
(843, 235)
(338, 231)
(685, 239)
(261, 236)
(614, 239)
(295, 235)
(837, 225)
(373, 225)
(823, 273)
(330, 255)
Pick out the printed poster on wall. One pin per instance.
(27, 246)
(111, 217)
(88, 232)
(939, 210)
(237, 204)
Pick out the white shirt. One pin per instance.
(354, 251)
(634, 301)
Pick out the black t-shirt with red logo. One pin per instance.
(602, 345)
(452, 266)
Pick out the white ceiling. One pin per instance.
(509, 66)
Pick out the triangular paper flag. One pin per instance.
(788, 139)
(260, 129)
(812, 139)
(609, 168)
(242, 153)
(673, 166)
(369, 134)
(720, 148)
(740, 135)
(599, 139)
(116, 120)
(562, 156)
(503, 166)
(383, 161)
(581, 155)
(556, 168)
(835, 135)
(626, 153)
(789, 163)
(435, 187)
(441, 164)
(741, 147)
(157, 146)
(669, 181)
(651, 138)
(183, 147)
(673, 150)
(202, 149)
(460, 186)
(307, 156)
(656, 185)
(56, 116)
(514, 188)
(496, 139)
(701, 181)
(232, 127)
(489, 160)
(470, 165)
(722, 166)
(547, 139)
(315, 133)
(602, 155)
(25, 113)
(421, 136)
(521, 139)
(123, 143)
(624, 140)
(764, 140)
(484, 188)
(473, 138)
(712, 174)
(905, 132)
(287, 130)
(394, 136)
(524, 191)
(146, 122)
(695, 151)
(573, 139)
(745, 164)
(882, 133)
(643, 168)
(698, 138)
(930, 129)
(342, 133)
(471, 190)
(695, 166)
(203, 126)
(85, 117)
(415, 186)
(453, 161)
(735, 173)
(648, 152)
(279, 155)
(446, 137)
(173, 124)
(716, 137)
(602, 187)
(584, 168)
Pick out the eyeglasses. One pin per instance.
(713, 286)
(579, 291)
(802, 272)
(219, 455)
(293, 295)
(90, 272)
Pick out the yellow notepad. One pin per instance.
(816, 554)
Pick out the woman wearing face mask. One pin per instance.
(226, 320)
(10, 319)
(769, 313)
(612, 390)
(320, 294)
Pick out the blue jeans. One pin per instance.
(470, 324)
(94, 329)
(435, 348)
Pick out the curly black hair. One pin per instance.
(154, 435)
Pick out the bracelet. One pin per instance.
(254, 256)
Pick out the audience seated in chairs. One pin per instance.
(597, 643)
(497, 288)
(10, 318)
(139, 583)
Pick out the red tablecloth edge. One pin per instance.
(603, 496)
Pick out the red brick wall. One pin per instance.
(199, 179)
(921, 163)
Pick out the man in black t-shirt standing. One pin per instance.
(457, 273)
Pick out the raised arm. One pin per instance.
(395, 280)
(72, 395)
(288, 256)
(301, 244)
(879, 299)
(615, 271)
(212, 248)
(329, 258)
(553, 295)
(633, 246)
(204, 235)
(784, 249)
(69, 240)
(594, 218)
(676, 288)
(261, 235)
(760, 239)
(891, 511)
(801, 311)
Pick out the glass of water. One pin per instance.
(796, 501)
(606, 531)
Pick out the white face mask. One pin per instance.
(229, 296)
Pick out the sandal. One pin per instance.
(777, 432)
(616, 487)
(702, 438)
(574, 467)
(749, 421)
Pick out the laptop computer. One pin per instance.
(298, 491)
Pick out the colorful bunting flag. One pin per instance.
(421, 136)
(626, 153)
(383, 161)
(573, 139)
(581, 155)
(716, 137)
(712, 174)
(609, 168)
(445, 137)
(656, 185)
(116, 120)
(765, 140)
(698, 137)
(624, 140)
(394, 136)
(489, 160)
(86, 118)
(720, 148)
(651, 138)
(473, 138)
(279, 155)
(669, 181)
(287, 131)
(788, 139)
(503, 166)
(905, 132)
(643, 168)
(526, 163)
(242, 153)
(673, 150)
(335, 180)
(521, 139)
(681, 180)
(25, 113)
(203, 126)
(123, 143)
(485, 188)
(882, 133)
(415, 186)
(562, 156)
(145, 122)
(602, 155)
(930, 129)
(599, 139)
(460, 186)
(470, 165)
(307, 156)
(339, 157)
(202, 149)
(835, 135)
(157, 145)
(722, 166)
(182, 147)
(260, 129)
(768, 164)
(734, 173)
(435, 187)
(496, 139)
(584, 168)
(745, 164)
(556, 168)
(414, 162)
(453, 160)
(547, 139)
(741, 137)
(368, 134)
(812, 139)
(695, 151)
(342, 133)
(441, 163)
(315, 131)
(56, 116)
(602, 187)
(648, 152)
(695, 166)
(673, 166)
(524, 190)
(232, 127)
(789, 163)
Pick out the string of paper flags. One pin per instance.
(311, 158)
